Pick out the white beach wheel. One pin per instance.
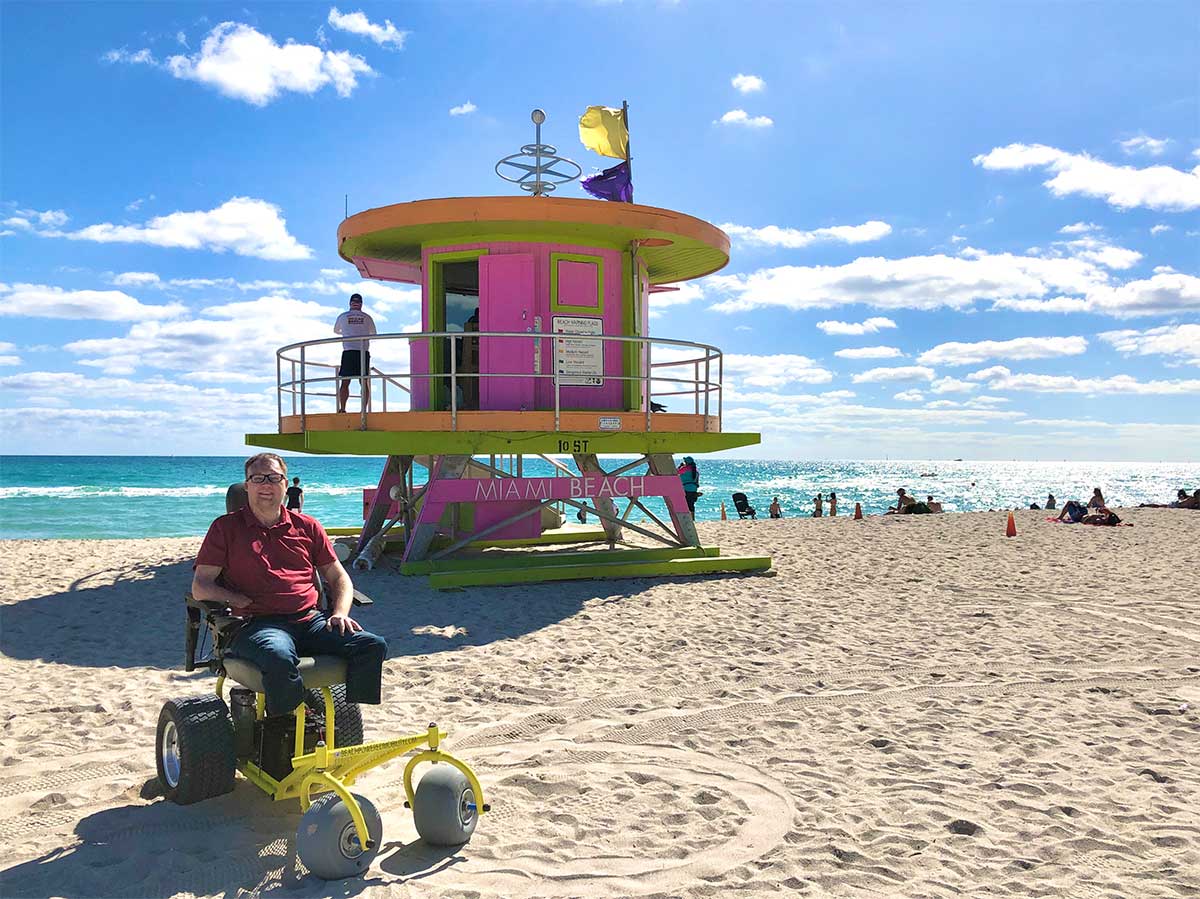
(444, 807)
(327, 840)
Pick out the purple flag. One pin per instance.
(611, 184)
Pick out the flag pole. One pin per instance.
(628, 156)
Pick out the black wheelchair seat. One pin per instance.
(316, 671)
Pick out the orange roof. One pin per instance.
(675, 246)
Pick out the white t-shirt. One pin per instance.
(354, 323)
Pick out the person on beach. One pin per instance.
(818, 504)
(1103, 517)
(1072, 511)
(1050, 503)
(1097, 500)
(931, 505)
(354, 325)
(262, 561)
(832, 504)
(689, 474)
(775, 509)
(1182, 501)
(903, 501)
(295, 497)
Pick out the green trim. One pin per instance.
(442, 443)
(524, 574)
(549, 538)
(493, 561)
(555, 305)
(435, 314)
(682, 259)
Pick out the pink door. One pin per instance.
(506, 303)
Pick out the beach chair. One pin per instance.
(743, 507)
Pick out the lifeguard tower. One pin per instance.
(534, 348)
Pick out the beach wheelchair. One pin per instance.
(203, 740)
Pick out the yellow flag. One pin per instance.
(603, 131)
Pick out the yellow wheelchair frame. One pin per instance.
(328, 767)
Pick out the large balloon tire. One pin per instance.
(445, 807)
(327, 840)
(347, 716)
(194, 749)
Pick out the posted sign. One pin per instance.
(578, 363)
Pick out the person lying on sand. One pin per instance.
(1072, 511)
(933, 507)
(1103, 516)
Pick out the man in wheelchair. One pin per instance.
(261, 561)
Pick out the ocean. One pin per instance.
(178, 496)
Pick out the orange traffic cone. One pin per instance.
(1011, 530)
(724, 517)
(858, 511)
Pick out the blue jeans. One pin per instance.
(275, 643)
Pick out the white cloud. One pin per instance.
(1164, 293)
(1007, 281)
(1079, 228)
(909, 396)
(747, 84)
(744, 119)
(1159, 229)
(136, 279)
(1101, 252)
(33, 219)
(1018, 348)
(899, 373)
(854, 329)
(463, 109)
(1179, 342)
(869, 352)
(774, 236)
(385, 35)
(1125, 187)
(245, 64)
(952, 385)
(1000, 378)
(138, 57)
(914, 282)
(247, 226)
(772, 371)
(8, 354)
(43, 301)
(1141, 144)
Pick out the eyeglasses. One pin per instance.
(266, 479)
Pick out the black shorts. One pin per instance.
(350, 359)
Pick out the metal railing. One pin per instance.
(302, 388)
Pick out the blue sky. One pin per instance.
(959, 229)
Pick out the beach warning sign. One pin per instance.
(578, 363)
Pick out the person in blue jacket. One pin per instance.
(690, 476)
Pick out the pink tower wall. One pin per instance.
(608, 396)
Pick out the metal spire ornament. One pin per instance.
(542, 177)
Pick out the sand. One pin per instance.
(911, 706)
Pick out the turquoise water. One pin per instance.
(155, 496)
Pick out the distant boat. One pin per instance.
(927, 474)
(958, 460)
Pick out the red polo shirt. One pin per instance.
(272, 566)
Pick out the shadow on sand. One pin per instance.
(164, 849)
(138, 621)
